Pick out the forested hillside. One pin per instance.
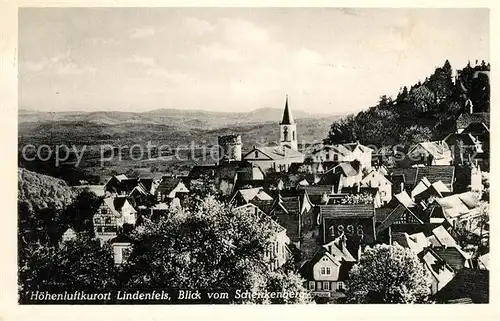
(38, 192)
(424, 111)
(47, 206)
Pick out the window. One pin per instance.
(256, 155)
(335, 157)
(327, 156)
(293, 135)
(326, 285)
(325, 271)
(312, 285)
(340, 285)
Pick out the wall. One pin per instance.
(325, 262)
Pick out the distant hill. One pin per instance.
(189, 118)
(92, 133)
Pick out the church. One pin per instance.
(279, 158)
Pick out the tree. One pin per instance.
(388, 274)
(342, 131)
(79, 214)
(423, 98)
(415, 134)
(289, 282)
(80, 265)
(204, 245)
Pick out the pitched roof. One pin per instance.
(262, 216)
(468, 284)
(440, 187)
(350, 211)
(277, 152)
(456, 258)
(437, 266)
(382, 213)
(338, 250)
(443, 173)
(264, 205)
(121, 177)
(317, 189)
(418, 242)
(353, 146)
(485, 260)
(437, 148)
(465, 119)
(405, 200)
(444, 237)
(458, 204)
(290, 204)
(167, 184)
(254, 193)
(287, 115)
(116, 204)
(394, 215)
(199, 171)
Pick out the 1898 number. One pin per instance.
(348, 229)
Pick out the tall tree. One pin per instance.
(79, 265)
(388, 274)
(204, 246)
(342, 131)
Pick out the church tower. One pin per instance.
(288, 129)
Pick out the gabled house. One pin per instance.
(123, 185)
(430, 153)
(326, 272)
(111, 217)
(225, 177)
(376, 179)
(170, 188)
(344, 153)
(356, 222)
(278, 158)
(245, 196)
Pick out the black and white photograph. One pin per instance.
(253, 155)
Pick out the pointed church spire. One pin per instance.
(287, 115)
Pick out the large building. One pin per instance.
(279, 158)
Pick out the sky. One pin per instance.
(328, 60)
